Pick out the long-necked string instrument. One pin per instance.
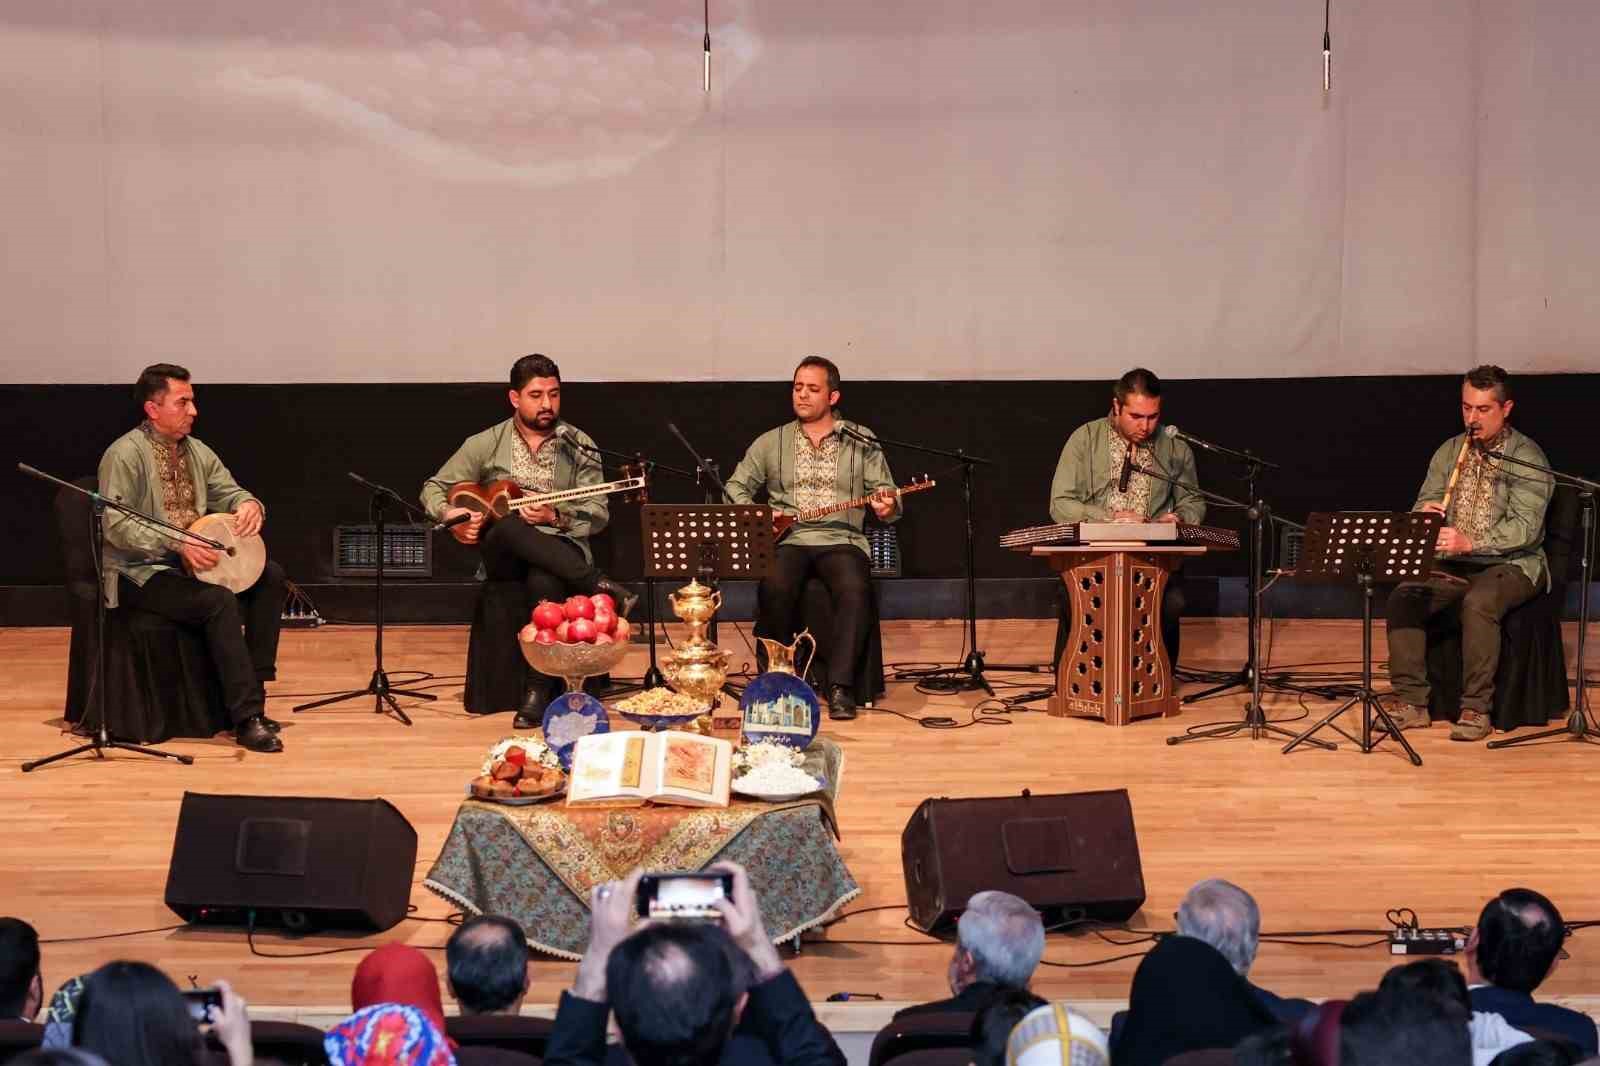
(498, 499)
(781, 522)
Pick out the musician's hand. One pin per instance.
(1169, 517)
(247, 518)
(883, 504)
(468, 531)
(542, 515)
(197, 557)
(1454, 542)
(1127, 516)
(1432, 508)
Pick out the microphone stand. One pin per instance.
(1255, 718)
(653, 677)
(968, 674)
(1578, 726)
(100, 739)
(382, 692)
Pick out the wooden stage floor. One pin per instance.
(1325, 840)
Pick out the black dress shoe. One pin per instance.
(272, 724)
(532, 714)
(253, 734)
(625, 599)
(841, 705)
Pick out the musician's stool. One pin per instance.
(160, 679)
(497, 673)
(1530, 684)
(816, 614)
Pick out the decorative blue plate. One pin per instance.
(568, 717)
(781, 709)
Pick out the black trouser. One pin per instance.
(843, 569)
(550, 567)
(241, 631)
(1173, 602)
(1489, 592)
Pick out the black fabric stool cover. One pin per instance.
(160, 679)
(1530, 684)
(816, 614)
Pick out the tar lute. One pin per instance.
(781, 522)
(497, 499)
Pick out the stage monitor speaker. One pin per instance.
(301, 862)
(1072, 855)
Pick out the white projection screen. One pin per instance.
(420, 190)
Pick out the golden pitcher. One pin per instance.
(782, 657)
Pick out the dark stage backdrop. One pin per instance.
(1344, 443)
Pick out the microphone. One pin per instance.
(456, 521)
(855, 435)
(1127, 470)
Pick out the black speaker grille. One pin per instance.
(273, 846)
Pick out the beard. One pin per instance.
(539, 423)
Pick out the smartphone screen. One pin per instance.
(682, 895)
(202, 1003)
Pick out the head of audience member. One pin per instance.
(1136, 405)
(999, 939)
(131, 1013)
(57, 1056)
(1399, 1026)
(991, 1026)
(388, 1034)
(1439, 979)
(487, 965)
(1056, 1035)
(1187, 997)
(1533, 1053)
(1225, 916)
(1517, 941)
(398, 973)
(21, 983)
(62, 1011)
(675, 991)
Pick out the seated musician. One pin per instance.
(159, 468)
(1098, 477)
(808, 463)
(1490, 555)
(545, 547)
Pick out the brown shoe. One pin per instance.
(1405, 716)
(1472, 725)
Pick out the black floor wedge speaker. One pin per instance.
(300, 862)
(1071, 855)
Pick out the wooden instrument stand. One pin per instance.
(1114, 667)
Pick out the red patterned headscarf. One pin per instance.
(399, 973)
(389, 1034)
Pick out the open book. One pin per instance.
(630, 768)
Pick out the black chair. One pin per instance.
(18, 1037)
(920, 1034)
(513, 1033)
(288, 1043)
(160, 679)
(1530, 684)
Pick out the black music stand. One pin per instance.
(1369, 548)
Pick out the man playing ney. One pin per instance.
(1490, 553)
(817, 460)
(158, 467)
(1098, 477)
(546, 547)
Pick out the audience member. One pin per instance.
(1269, 1047)
(398, 973)
(131, 1014)
(1539, 1053)
(1225, 916)
(21, 983)
(999, 939)
(1439, 978)
(1186, 997)
(58, 1016)
(57, 1056)
(674, 988)
(1513, 949)
(991, 1026)
(1056, 1035)
(388, 1034)
(1385, 1029)
(487, 964)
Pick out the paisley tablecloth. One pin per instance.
(536, 864)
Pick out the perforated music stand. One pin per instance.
(1368, 548)
(706, 540)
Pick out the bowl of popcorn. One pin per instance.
(519, 770)
(772, 772)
